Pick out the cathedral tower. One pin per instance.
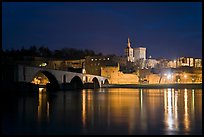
(129, 52)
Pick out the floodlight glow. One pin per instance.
(169, 76)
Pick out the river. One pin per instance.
(109, 111)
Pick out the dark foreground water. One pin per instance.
(105, 111)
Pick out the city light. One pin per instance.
(169, 76)
(84, 78)
(43, 64)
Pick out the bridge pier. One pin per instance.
(90, 86)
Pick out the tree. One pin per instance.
(33, 51)
(45, 52)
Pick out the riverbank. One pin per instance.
(155, 86)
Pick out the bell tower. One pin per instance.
(129, 51)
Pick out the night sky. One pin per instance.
(166, 29)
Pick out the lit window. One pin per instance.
(91, 59)
(107, 58)
(95, 59)
(43, 64)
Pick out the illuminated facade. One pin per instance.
(198, 63)
(171, 64)
(151, 63)
(185, 61)
(175, 77)
(139, 53)
(134, 54)
(93, 64)
(129, 52)
(189, 62)
(117, 77)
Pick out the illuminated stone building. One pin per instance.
(139, 53)
(151, 62)
(171, 64)
(175, 77)
(198, 63)
(162, 63)
(137, 56)
(117, 77)
(189, 62)
(93, 64)
(185, 61)
(129, 52)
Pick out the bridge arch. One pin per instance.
(76, 83)
(106, 81)
(51, 84)
(96, 82)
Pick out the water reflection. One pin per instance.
(84, 108)
(186, 117)
(135, 111)
(43, 106)
(106, 111)
(170, 110)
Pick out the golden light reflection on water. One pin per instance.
(180, 103)
(186, 118)
(43, 106)
(84, 108)
(136, 108)
(170, 109)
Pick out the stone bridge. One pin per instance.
(61, 79)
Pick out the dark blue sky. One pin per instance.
(167, 29)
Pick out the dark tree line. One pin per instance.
(64, 53)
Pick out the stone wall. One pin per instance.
(175, 78)
(117, 77)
